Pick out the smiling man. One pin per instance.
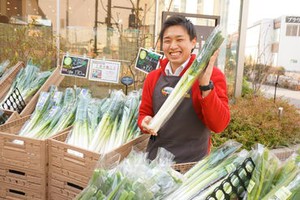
(204, 109)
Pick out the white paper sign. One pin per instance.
(104, 71)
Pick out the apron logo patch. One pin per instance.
(166, 91)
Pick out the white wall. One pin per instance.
(289, 49)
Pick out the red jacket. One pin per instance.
(213, 110)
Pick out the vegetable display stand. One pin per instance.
(23, 163)
(70, 167)
(6, 81)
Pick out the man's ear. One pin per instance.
(194, 41)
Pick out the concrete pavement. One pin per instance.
(291, 96)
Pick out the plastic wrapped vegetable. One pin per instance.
(287, 183)
(262, 178)
(134, 178)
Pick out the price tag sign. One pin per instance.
(75, 66)
(127, 80)
(104, 71)
(147, 61)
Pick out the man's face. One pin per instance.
(177, 45)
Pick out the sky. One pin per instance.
(260, 9)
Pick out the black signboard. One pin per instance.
(126, 80)
(292, 19)
(147, 61)
(75, 66)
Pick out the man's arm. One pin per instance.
(146, 107)
(213, 109)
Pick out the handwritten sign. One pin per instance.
(75, 66)
(104, 71)
(147, 61)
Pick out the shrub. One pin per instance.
(255, 119)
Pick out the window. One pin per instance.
(291, 30)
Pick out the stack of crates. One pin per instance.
(24, 161)
(23, 164)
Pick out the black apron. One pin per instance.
(184, 135)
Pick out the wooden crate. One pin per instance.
(70, 167)
(13, 115)
(183, 167)
(20, 151)
(284, 153)
(15, 192)
(6, 81)
(21, 177)
(65, 186)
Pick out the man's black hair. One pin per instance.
(179, 20)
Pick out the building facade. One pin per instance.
(275, 42)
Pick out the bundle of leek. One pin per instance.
(227, 187)
(108, 124)
(40, 108)
(52, 114)
(287, 182)
(28, 81)
(125, 130)
(65, 117)
(40, 128)
(80, 135)
(211, 169)
(213, 42)
(266, 166)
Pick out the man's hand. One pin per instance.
(145, 125)
(205, 75)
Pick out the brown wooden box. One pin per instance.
(28, 179)
(69, 174)
(12, 115)
(20, 151)
(16, 192)
(6, 81)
